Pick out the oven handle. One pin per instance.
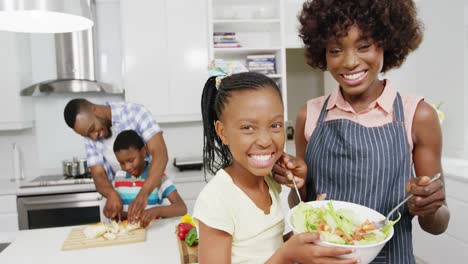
(61, 201)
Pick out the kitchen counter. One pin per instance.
(44, 245)
(8, 187)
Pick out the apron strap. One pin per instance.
(323, 112)
(398, 112)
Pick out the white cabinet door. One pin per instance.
(165, 49)
(15, 68)
(187, 38)
(144, 44)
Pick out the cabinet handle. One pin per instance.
(61, 200)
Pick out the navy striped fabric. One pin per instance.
(367, 166)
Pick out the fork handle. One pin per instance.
(437, 176)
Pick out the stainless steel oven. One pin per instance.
(54, 210)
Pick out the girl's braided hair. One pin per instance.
(216, 155)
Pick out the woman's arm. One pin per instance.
(428, 202)
(214, 245)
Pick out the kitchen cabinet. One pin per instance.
(165, 55)
(8, 218)
(257, 28)
(15, 67)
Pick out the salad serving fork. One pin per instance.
(381, 223)
(297, 190)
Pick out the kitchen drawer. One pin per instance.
(9, 222)
(189, 190)
(8, 204)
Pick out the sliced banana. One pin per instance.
(109, 236)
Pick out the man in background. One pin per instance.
(99, 125)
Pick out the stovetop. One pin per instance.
(53, 180)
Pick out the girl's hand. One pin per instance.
(428, 196)
(301, 248)
(287, 167)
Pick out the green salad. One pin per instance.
(342, 226)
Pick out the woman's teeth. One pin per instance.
(354, 76)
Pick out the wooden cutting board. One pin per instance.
(187, 254)
(77, 240)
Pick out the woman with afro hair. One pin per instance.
(365, 142)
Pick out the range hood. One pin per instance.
(76, 62)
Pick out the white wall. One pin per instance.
(436, 69)
(465, 74)
(303, 82)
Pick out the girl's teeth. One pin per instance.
(354, 76)
(261, 157)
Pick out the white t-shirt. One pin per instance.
(224, 206)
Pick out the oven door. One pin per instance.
(59, 210)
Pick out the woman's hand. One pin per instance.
(301, 248)
(287, 167)
(428, 196)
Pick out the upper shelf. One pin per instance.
(246, 50)
(246, 21)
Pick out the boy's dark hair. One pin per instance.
(392, 24)
(127, 139)
(72, 109)
(216, 155)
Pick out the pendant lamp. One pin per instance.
(45, 16)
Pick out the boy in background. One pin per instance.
(130, 151)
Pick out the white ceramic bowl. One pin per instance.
(366, 253)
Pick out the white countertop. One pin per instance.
(44, 246)
(8, 187)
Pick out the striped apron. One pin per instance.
(364, 165)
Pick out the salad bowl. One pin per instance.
(330, 218)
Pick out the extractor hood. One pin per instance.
(76, 63)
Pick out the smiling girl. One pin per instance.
(238, 213)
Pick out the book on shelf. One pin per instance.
(261, 56)
(262, 63)
(224, 33)
(227, 45)
(225, 40)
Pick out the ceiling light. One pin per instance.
(45, 16)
